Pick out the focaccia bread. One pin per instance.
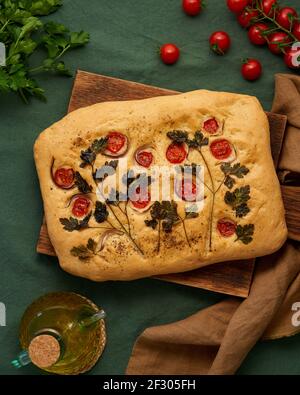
(239, 212)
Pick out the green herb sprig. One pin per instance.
(245, 233)
(164, 215)
(84, 253)
(23, 32)
(238, 200)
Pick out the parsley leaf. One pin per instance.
(178, 136)
(23, 31)
(88, 156)
(91, 245)
(245, 233)
(238, 200)
(81, 252)
(72, 223)
(82, 184)
(109, 168)
(101, 212)
(233, 171)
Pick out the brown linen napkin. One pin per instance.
(217, 339)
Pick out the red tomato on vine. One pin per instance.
(220, 42)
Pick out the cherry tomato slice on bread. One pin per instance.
(226, 227)
(64, 177)
(176, 153)
(221, 149)
(144, 158)
(188, 190)
(116, 141)
(81, 206)
(141, 203)
(211, 126)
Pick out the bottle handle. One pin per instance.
(100, 315)
(22, 359)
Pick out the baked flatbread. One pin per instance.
(236, 213)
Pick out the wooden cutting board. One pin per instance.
(233, 278)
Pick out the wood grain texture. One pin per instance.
(291, 200)
(233, 278)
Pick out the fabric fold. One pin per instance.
(217, 339)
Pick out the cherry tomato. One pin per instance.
(247, 17)
(169, 53)
(269, 7)
(211, 126)
(176, 153)
(296, 30)
(192, 7)
(255, 33)
(144, 158)
(140, 203)
(237, 6)
(219, 42)
(292, 58)
(188, 190)
(276, 40)
(116, 141)
(286, 16)
(64, 177)
(226, 227)
(81, 206)
(221, 149)
(251, 69)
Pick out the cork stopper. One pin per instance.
(44, 351)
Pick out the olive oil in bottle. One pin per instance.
(62, 333)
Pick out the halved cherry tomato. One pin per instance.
(176, 153)
(188, 190)
(144, 158)
(140, 203)
(64, 177)
(226, 227)
(211, 126)
(116, 142)
(221, 149)
(81, 206)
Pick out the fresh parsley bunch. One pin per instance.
(22, 32)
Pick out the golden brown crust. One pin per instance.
(147, 122)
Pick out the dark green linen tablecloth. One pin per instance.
(125, 37)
